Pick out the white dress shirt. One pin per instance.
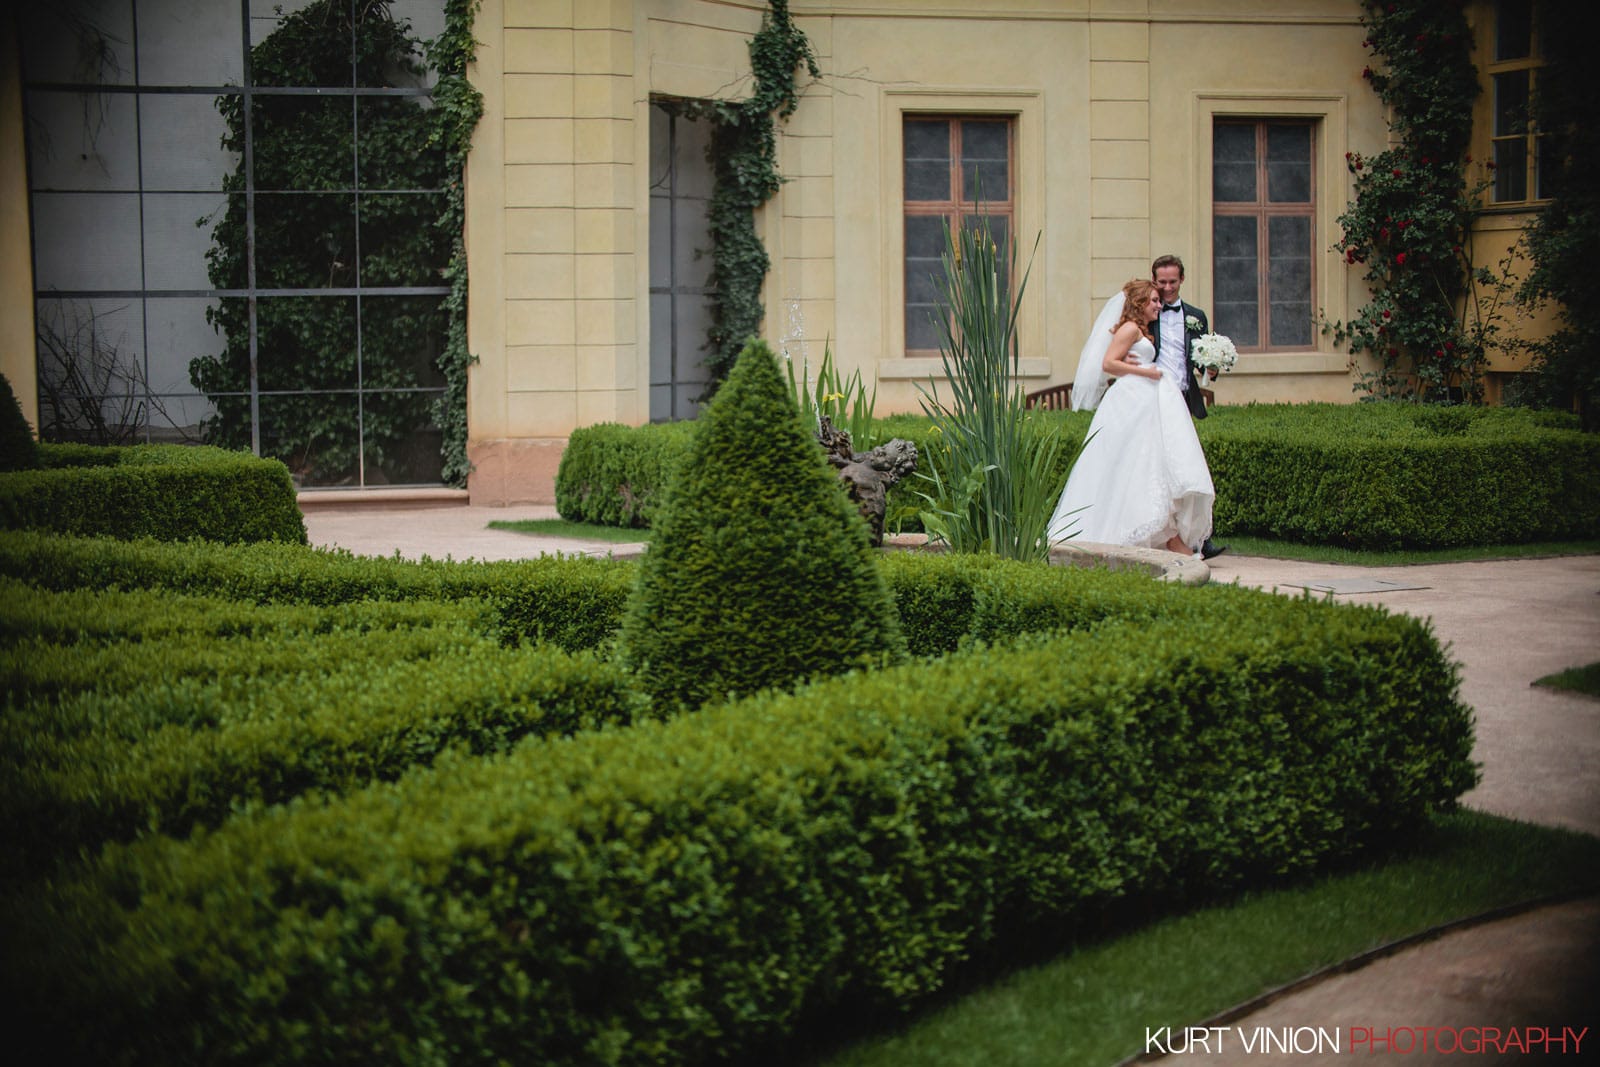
(1173, 355)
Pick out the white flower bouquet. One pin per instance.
(1214, 352)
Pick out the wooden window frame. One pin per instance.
(1532, 139)
(959, 208)
(1263, 209)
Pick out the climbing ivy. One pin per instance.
(1410, 223)
(459, 106)
(305, 238)
(743, 154)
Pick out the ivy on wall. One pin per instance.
(743, 154)
(306, 365)
(459, 107)
(1410, 223)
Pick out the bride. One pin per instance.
(1141, 478)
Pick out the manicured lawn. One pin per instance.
(563, 528)
(1089, 1003)
(1584, 680)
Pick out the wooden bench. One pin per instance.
(1051, 398)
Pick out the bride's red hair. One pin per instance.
(1134, 295)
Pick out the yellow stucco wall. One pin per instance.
(17, 361)
(1114, 103)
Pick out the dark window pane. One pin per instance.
(400, 245)
(402, 443)
(401, 339)
(927, 147)
(305, 241)
(316, 436)
(998, 229)
(925, 236)
(1235, 273)
(178, 419)
(394, 135)
(1289, 164)
(1511, 170)
(303, 142)
(985, 161)
(1544, 167)
(1289, 281)
(1233, 163)
(1513, 26)
(1511, 103)
(304, 342)
(927, 181)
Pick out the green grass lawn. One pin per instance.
(581, 530)
(1089, 1003)
(1585, 680)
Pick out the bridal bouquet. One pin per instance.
(1212, 351)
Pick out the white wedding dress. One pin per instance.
(1141, 476)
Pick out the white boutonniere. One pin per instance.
(1192, 324)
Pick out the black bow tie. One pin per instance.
(1171, 307)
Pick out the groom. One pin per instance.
(1176, 328)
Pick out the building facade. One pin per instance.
(1098, 133)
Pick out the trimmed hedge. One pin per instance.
(572, 603)
(179, 747)
(1373, 476)
(677, 892)
(18, 449)
(761, 572)
(613, 475)
(1379, 476)
(168, 492)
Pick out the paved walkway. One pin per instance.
(1507, 622)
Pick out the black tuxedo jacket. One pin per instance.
(1191, 395)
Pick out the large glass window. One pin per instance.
(1518, 148)
(1263, 218)
(956, 167)
(236, 210)
(681, 296)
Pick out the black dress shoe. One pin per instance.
(1211, 549)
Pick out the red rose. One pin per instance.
(1400, 259)
(1387, 313)
(1397, 172)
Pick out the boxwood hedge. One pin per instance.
(169, 492)
(1373, 476)
(678, 891)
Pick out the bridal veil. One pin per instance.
(1089, 385)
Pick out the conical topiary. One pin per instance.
(759, 572)
(18, 450)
